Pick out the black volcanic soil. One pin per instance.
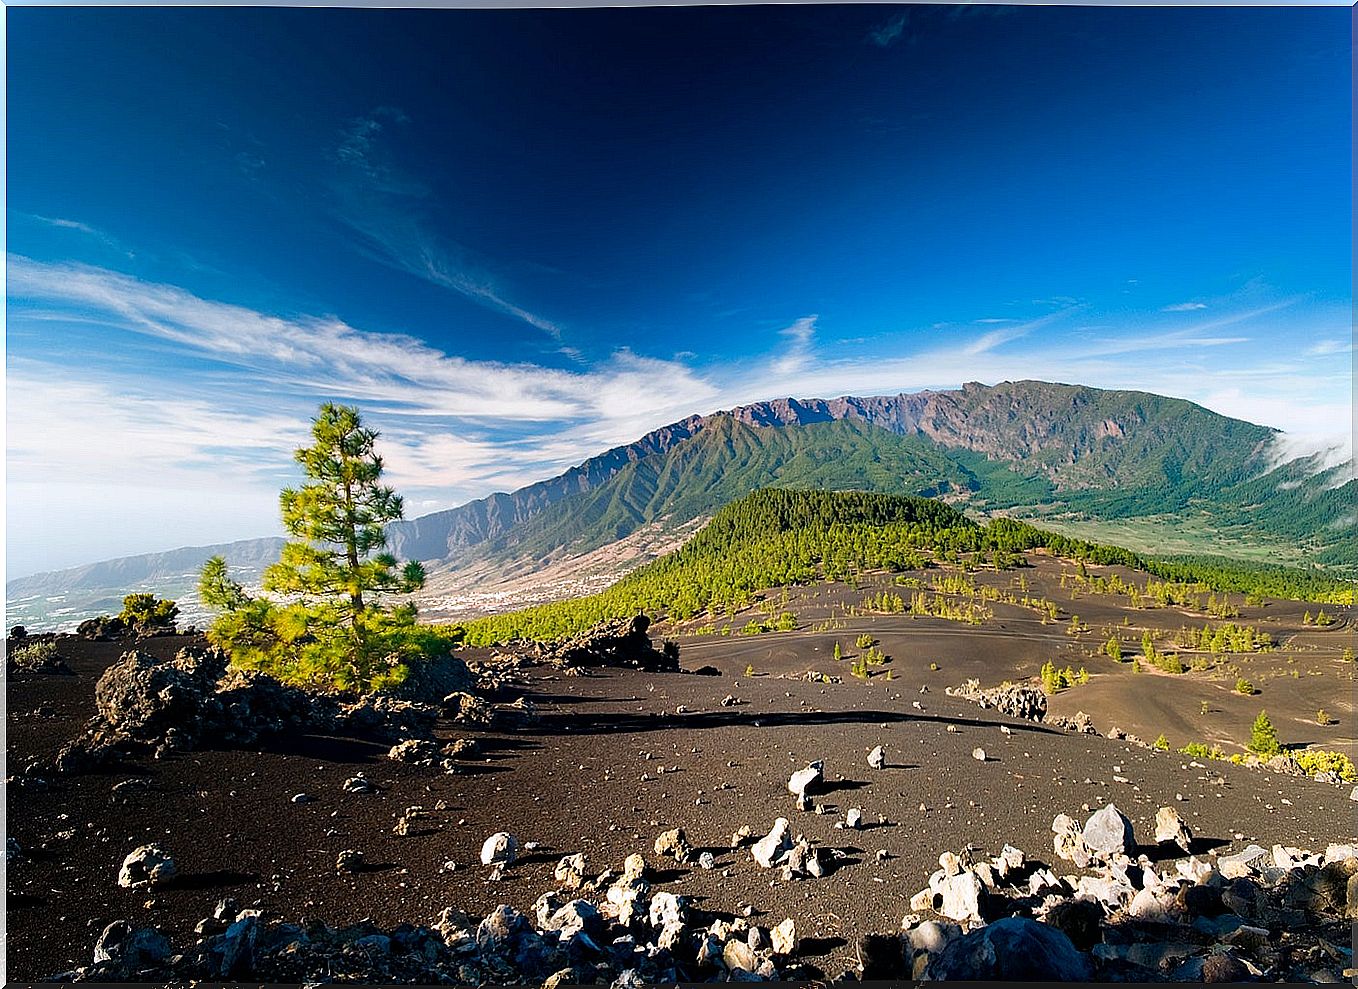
(573, 780)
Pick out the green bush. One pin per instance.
(1243, 686)
(34, 656)
(148, 610)
(1264, 738)
(864, 641)
(1161, 743)
(1197, 750)
(310, 646)
(1313, 762)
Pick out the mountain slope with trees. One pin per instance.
(1064, 453)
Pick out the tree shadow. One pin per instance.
(618, 723)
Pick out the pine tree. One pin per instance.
(1263, 738)
(339, 519)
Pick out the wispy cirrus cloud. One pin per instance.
(76, 226)
(891, 31)
(1184, 307)
(797, 354)
(234, 389)
(381, 202)
(1326, 348)
(260, 361)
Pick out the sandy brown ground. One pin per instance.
(573, 781)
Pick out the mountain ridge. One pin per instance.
(1114, 454)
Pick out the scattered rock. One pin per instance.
(417, 751)
(1170, 828)
(500, 849)
(359, 784)
(978, 754)
(621, 642)
(1109, 832)
(1014, 949)
(350, 860)
(805, 781)
(784, 938)
(1081, 920)
(674, 844)
(146, 866)
(1020, 701)
(1242, 863)
(773, 846)
(877, 758)
(1068, 841)
(570, 871)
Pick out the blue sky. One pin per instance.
(516, 238)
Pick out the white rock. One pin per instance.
(1242, 863)
(667, 910)
(1157, 905)
(784, 938)
(501, 849)
(147, 865)
(1108, 832)
(853, 818)
(961, 897)
(1339, 853)
(1169, 827)
(770, 848)
(803, 780)
(978, 754)
(877, 759)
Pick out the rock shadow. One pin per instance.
(217, 879)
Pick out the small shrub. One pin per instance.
(1162, 743)
(1205, 707)
(1322, 717)
(864, 641)
(1264, 738)
(35, 657)
(839, 653)
(1313, 762)
(1243, 686)
(933, 667)
(148, 610)
(749, 669)
(1197, 750)
(1113, 648)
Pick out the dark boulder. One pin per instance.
(1013, 949)
(622, 642)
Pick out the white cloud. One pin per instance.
(1185, 307)
(1327, 347)
(381, 203)
(797, 354)
(455, 429)
(889, 32)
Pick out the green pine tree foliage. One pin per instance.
(1264, 738)
(339, 519)
(332, 630)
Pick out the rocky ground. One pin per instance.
(320, 829)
